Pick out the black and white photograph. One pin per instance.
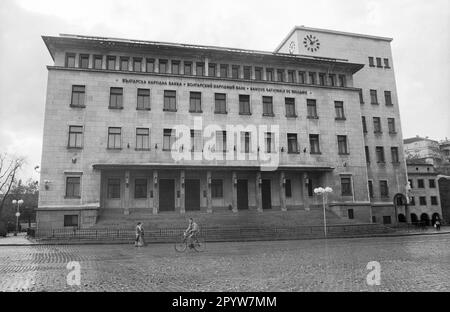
(248, 148)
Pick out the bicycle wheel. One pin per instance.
(199, 244)
(181, 245)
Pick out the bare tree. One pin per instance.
(9, 167)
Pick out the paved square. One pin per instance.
(409, 263)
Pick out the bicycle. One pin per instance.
(197, 243)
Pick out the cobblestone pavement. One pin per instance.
(410, 263)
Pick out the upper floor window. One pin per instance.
(84, 61)
(314, 145)
(270, 142)
(364, 124)
(373, 97)
(434, 200)
(420, 183)
(73, 188)
(394, 154)
(370, 184)
(143, 99)
(221, 141)
(322, 79)
(388, 98)
(211, 70)
(386, 63)
(70, 59)
(137, 64)
(280, 75)
(376, 125)
(150, 65)
(245, 142)
(75, 137)
(220, 100)
(367, 152)
(78, 95)
(432, 183)
(422, 200)
(98, 61)
(200, 69)
(361, 97)
(290, 107)
(223, 70)
(269, 74)
(312, 78)
(311, 108)
(195, 102)
(258, 73)
(176, 67)
(124, 61)
(339, 108)
(187, 68)
(168, 139)
(116, 98)
(384, 190)
(371, 61)
(114, 138)
(332, 79)
(247, 72)
(379, 62)
(301, 77)
(111, 62)
(267, 105)
(244, 104)
(411, 183)
(142, 138)
(170, 100)
(291, 76)
(391, 125)
(235, 71)
(292, 143)
(342, 145)
(196, 141)
(163, 66)
(342, 81)
(380, 154)
(346, 186)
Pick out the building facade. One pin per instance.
(419, 148)
(172, 128)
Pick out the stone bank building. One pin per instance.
(323, 106)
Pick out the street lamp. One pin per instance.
(18, 203)
(324, 192)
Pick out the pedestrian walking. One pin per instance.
(139, 242)
(437, 225)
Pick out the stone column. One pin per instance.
(208, 192)
(282, 191)
(155, 192)
(206, 67)
(234, 191)
(126, 197)
(304, 176)
(182, 193)
(258, 192)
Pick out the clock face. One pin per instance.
(311, 43)
(292, 47)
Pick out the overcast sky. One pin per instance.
(420, 48)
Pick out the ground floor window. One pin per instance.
(114, 188)
(73, 187)
(70, 220)
(386, 219)
(374, 219)
(217, 189)
(288, 188)
(140, 188)
(350, 214)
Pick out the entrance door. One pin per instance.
(266, 194)
(192, 195)
(166, 195)
(242, 194)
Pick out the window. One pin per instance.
(434, 200)
(332, 79)
(114, 188)
(247, 72)
(114, 138)
(270, 142)
(258, 73)
(78, 94)
(71, 220)
(371, 61)
(366, 149)
(223, 70)
(312, 108)
(379, 62)
(235, 71)
(346, 186)
(364, 124)
(314, 144)
(301, 77)
(411, 183)
(388, 98)
(75, 137)
(269, 74)
(221, 141)
(280, 75)
(150, 65)
(143, 99)
(140, 188)
(142, 139)
(137, 64)
(98, 62)
(394, 155)
(244, 104)
(342, 145)
(380, 154)
(290, 107)
(420, 183)
(391, 125)
(115, 98)
(350, 214)
(291, 76)
(212, 70)
(73, 187)
(376, 125)
(176, 67)
(374, 219)
(111, 62)
(168, 139)
(373, 97)
(342, 81)
(339, 108)
(200, 69)
(216, 188)
(292, 143)
(162, 66)
(187, 68)
(322, 79)
(386, 63)
(267, 106)
(70, 60)
(195, 102)
(384, 190)
(412, 202)
(422, 200)
(170, 102)
(196, 141)
(387, 220)
(84, 61)
(124, 63)
(432, 183)
(361, 97)
(370, 184)
(220, 100)
(245, 142)
(288, 188)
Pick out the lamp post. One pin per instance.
(17, 203)
(324, 192)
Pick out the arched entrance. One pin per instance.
(414, 218)
(425, 219)
(401, 218)
(435, 217)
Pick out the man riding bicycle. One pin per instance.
(192, 231)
